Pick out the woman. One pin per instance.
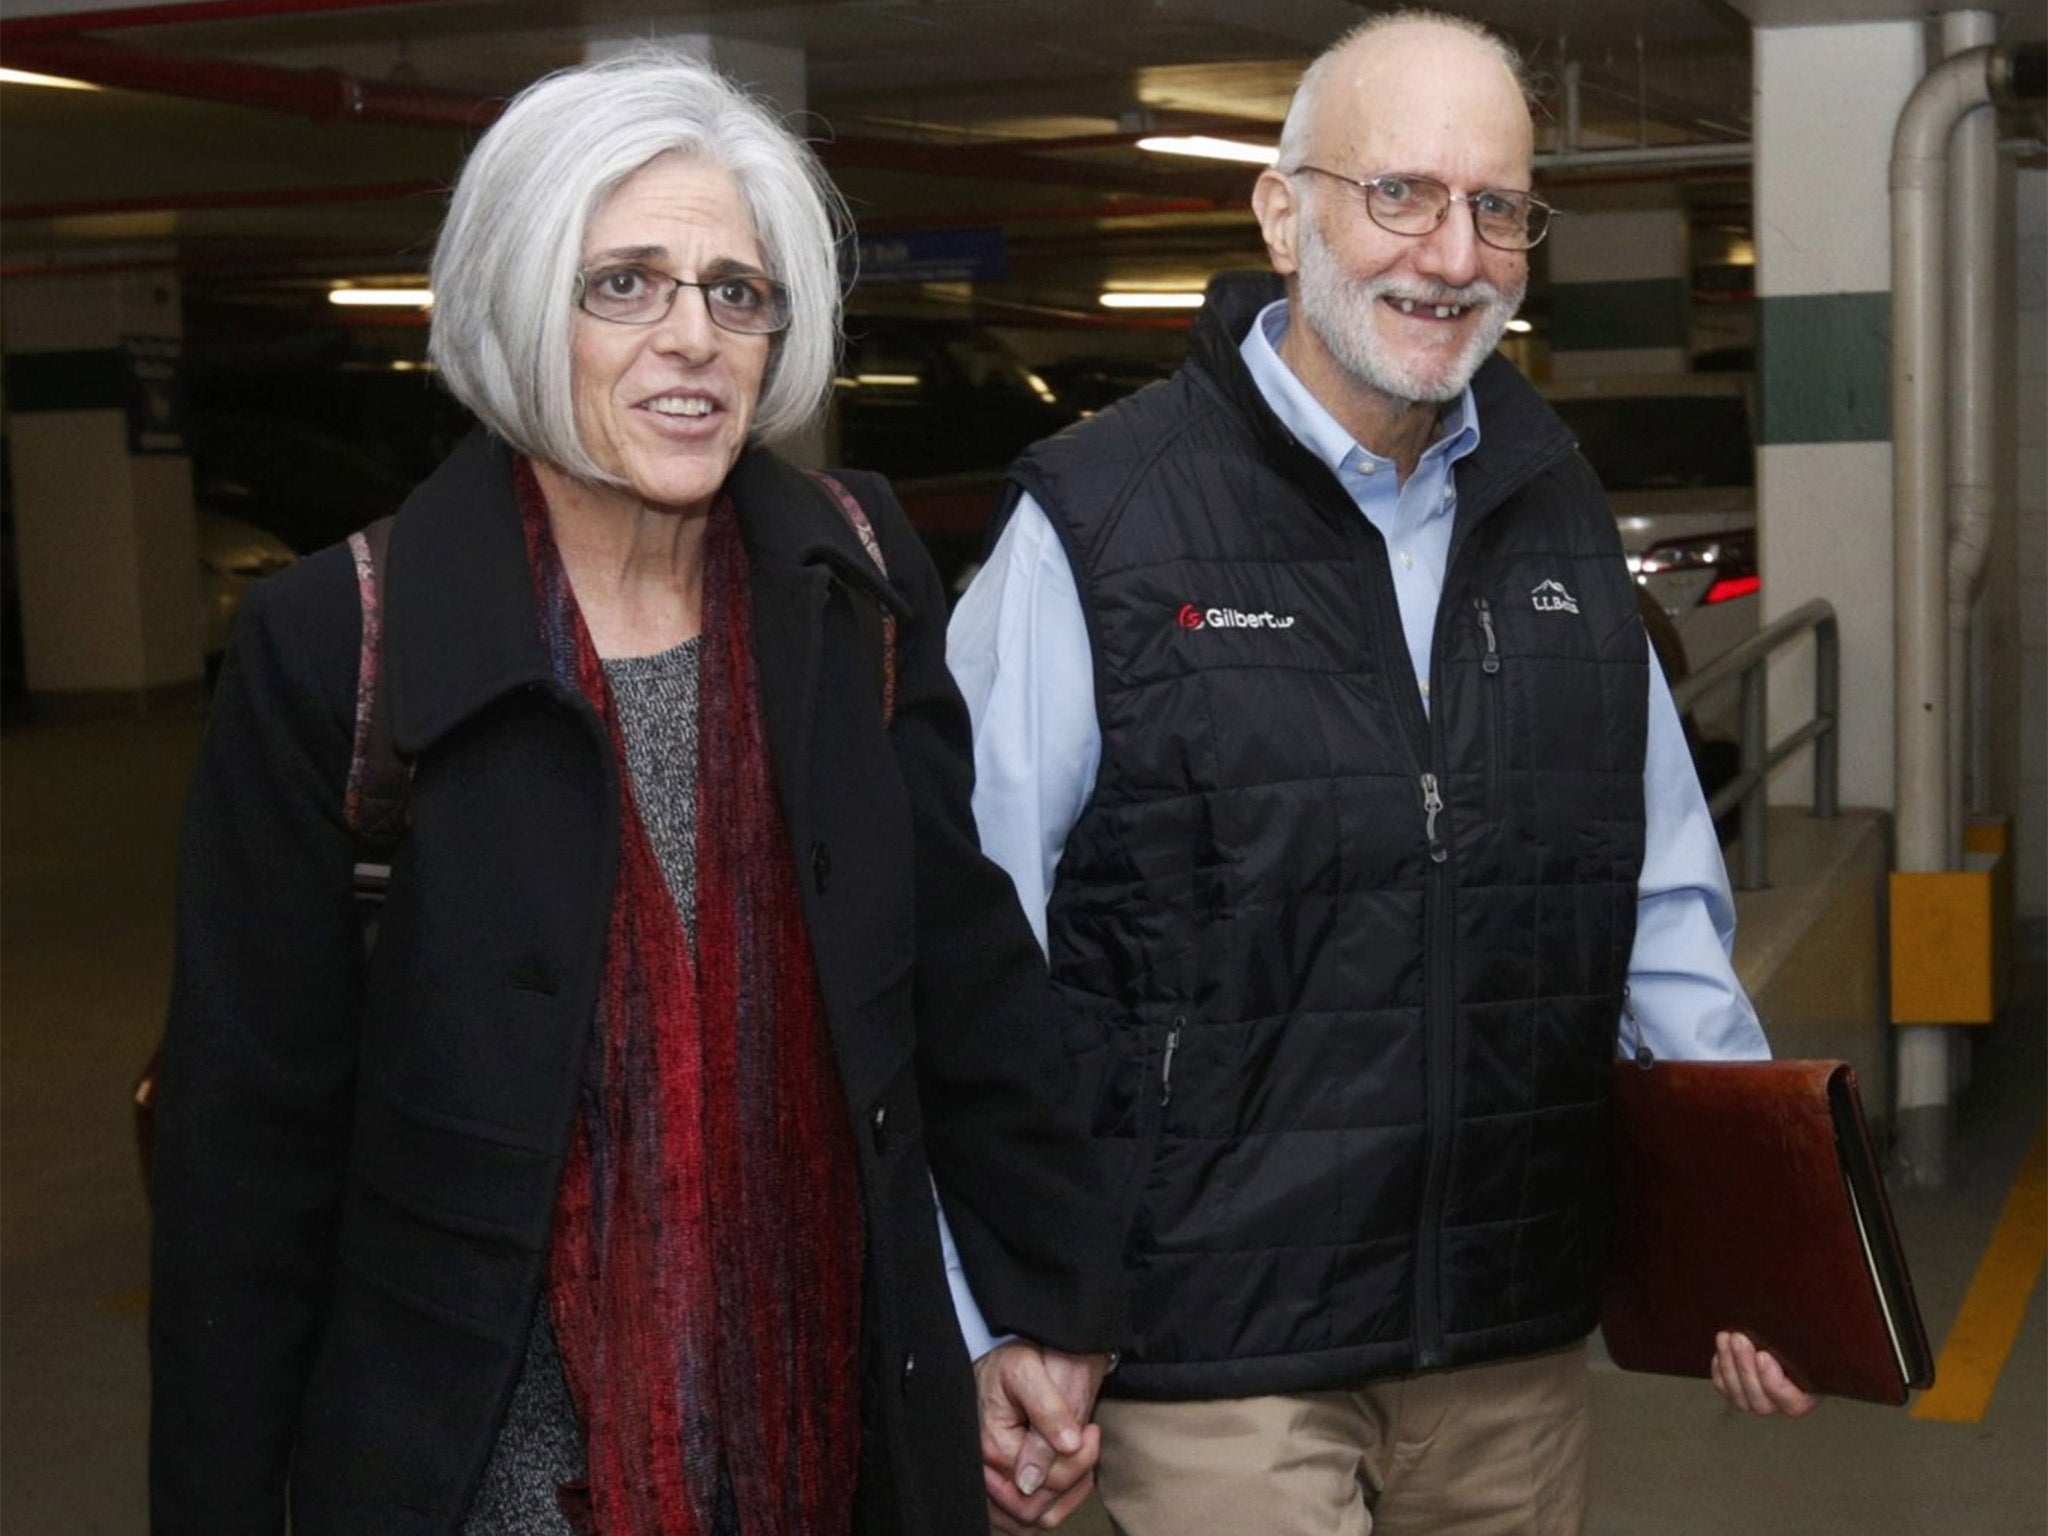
(598, 1195)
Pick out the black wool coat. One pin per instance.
(357, 1158)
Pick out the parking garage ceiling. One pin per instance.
(267, 147)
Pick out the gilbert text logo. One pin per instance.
(1191, 617)
(1550, 597)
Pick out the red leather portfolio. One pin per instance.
(1747, 1197)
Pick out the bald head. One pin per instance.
(1408, 77)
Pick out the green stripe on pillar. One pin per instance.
(1613, 317)
(1824, 368)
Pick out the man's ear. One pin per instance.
(1277, 205)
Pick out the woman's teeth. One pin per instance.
(689, 405)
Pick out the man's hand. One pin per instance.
(1038, 1450)
(1753, 1382)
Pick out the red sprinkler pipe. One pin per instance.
(120, 18)
(325, 95)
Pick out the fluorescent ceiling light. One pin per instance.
(55, 82)
(392, 298)
(1520, 327)
(1133, 300)
(1206, 148)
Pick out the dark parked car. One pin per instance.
(305, 485)
(917, 398)
(1089, 384)
(940, 406)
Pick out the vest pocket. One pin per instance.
(1125, 1083)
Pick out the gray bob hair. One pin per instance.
(505, 267)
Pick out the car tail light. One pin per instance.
(1729, 588)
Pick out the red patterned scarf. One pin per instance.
(704, 1278)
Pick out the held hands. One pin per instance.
(1752, 1381)
(1038, 1450)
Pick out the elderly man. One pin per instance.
(1316, 725)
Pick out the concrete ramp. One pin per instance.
(1810, 948)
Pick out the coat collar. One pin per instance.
(790, 523)
(461, 621)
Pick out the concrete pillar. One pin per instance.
(1827, 99)
(106, 546)
(1620, 292)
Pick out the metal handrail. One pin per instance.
(1759, 754)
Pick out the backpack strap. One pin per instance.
(857, 517)
(379, 780)
(373, 804)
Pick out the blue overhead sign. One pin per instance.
(935, 256)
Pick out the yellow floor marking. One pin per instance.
(1992, 1312)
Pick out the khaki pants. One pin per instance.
(1485, 1450)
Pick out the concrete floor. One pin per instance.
(88, 811)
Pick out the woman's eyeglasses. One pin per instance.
(744, 303)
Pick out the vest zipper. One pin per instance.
(1492, 706)
(1166, 1065)
(1440, 1054)
(1432, 806)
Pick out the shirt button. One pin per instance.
(909, 1365)
(880, 1121)
(1425, 687)
(1368, 468)
(1449, 494)
(821, 867)
(1407, 561)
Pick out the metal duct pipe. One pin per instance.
(1667, 157)
(1926, 573)
(1972, 398)
(1919, 183)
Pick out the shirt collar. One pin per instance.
(1311, 422)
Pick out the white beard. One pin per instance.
(1341, 309)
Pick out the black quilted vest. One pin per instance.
(1341, 976)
